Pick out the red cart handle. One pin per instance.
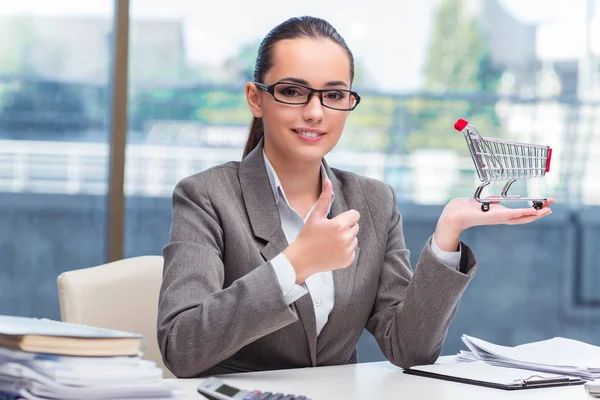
(549, 158)
(460, 124)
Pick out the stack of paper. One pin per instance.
(557, 355)
(47, 373)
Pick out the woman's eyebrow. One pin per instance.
(336, 83)
(305, 83)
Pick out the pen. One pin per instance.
(537, 380)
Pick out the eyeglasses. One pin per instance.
(294, 93)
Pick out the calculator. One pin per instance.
(216, 389)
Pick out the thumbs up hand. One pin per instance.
(324, 244)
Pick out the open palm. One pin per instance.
(465, 213)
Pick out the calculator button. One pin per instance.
(276, 396)
(265, 396)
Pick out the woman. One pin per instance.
(268, 266)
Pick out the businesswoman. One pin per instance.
(279, 261)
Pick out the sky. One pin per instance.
(546, 11)
(389, 38)
(525, 10)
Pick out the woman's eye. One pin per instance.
(335, 95)
(291, 92)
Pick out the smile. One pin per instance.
(308, 134)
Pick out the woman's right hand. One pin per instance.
(324, 244)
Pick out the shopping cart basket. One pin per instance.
(503, 160)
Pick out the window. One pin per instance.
(54, 91)
(417, 71)
(518, 71)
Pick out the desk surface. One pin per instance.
(380, 380)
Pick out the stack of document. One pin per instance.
(43, 359)
(557, 355)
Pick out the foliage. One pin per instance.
(241, 65)
(15, 52)
(458, 61)
(458, 56)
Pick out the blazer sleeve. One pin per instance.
(201, 323)
(412, 312)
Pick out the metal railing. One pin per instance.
(403, 139)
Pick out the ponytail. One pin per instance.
(254, 137)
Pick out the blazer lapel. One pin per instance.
(266, 224)
(259, 201)
(343, 279)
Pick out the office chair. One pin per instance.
(121, 295)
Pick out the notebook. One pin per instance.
(482, 374)
(55, 337)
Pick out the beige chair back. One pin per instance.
(121, 295)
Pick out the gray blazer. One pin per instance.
(221, 309)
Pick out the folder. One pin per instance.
(482, 374)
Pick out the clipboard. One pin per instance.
(482, 374)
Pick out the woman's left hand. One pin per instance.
(463, 213)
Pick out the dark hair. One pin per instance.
(297, 27)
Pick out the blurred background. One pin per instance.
(527, 71)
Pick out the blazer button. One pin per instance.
(317, 303)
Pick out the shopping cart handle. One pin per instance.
(549, 159)
(460, 124)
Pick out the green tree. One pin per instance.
(458, 60)
(242, 63)
(18, 38)
(458, 56)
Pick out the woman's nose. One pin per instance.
(313, 110)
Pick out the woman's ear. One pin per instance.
(253, 99)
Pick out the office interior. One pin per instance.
(105, 105)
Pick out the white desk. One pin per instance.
(376, 381)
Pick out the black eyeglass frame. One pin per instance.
(271, 89)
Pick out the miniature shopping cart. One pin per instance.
(503, 160)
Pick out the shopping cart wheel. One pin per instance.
(538, 205)
(485, 207)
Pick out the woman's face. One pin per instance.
(290, 129)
